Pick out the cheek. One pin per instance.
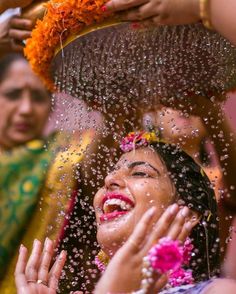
(6, 113)
(152, 193)
(42, 112)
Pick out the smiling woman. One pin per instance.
(159, 176)
(155, 191)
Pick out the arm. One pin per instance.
(224, 139)
(222, 135)
(229, 265)
(223, 18)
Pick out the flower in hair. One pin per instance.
(166, 255)
(138, 139)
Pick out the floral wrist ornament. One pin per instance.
(167, 256)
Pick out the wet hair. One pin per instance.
(6, 62)
(194, 189)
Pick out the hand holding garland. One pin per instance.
(217, 14)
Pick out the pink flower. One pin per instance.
(166, 255)
(132, 141)
(187, 250)
(181, 277)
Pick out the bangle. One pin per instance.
(205, 13)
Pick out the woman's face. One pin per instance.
(24, 105)
(140, 180)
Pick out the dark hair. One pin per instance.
(194, 189)
(6, 62)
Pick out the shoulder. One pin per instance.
(219, 286)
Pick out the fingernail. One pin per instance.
(104, 8)
(173, 208)
(63, 252)
(193, 218)
(47, 243)
(188, 225)
(21, 247)
(151, 211)
(35, 242)
(185, 211)
(135, 25)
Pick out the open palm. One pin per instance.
(32, 276)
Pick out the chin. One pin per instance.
(22, 138)
(111, 235)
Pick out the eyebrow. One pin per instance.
(136, 163)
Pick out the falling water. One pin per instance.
(116, 68)
(140, 66)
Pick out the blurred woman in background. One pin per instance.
(36, 172)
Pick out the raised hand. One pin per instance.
(32, 275)
(123, 273)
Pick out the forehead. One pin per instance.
(146, 154)
(21, 69)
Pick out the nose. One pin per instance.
(115, 181)
(25, 105)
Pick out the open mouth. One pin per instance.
(115, 205)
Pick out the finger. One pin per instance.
(43, 272)
(141, 230)
(148, 23)
(187, 228)
(20, 278)
(162, 226)
(119, 5)
(16, 47)
(178, 223)
(141, 13)
(21, 23)
(56, 270)
(34, 260)
(160, 284)
(19, 34)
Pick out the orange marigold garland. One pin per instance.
(62, 18)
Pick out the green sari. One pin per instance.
(36, 184)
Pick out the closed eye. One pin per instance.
(141, 174)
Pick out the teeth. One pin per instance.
(115, 204)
